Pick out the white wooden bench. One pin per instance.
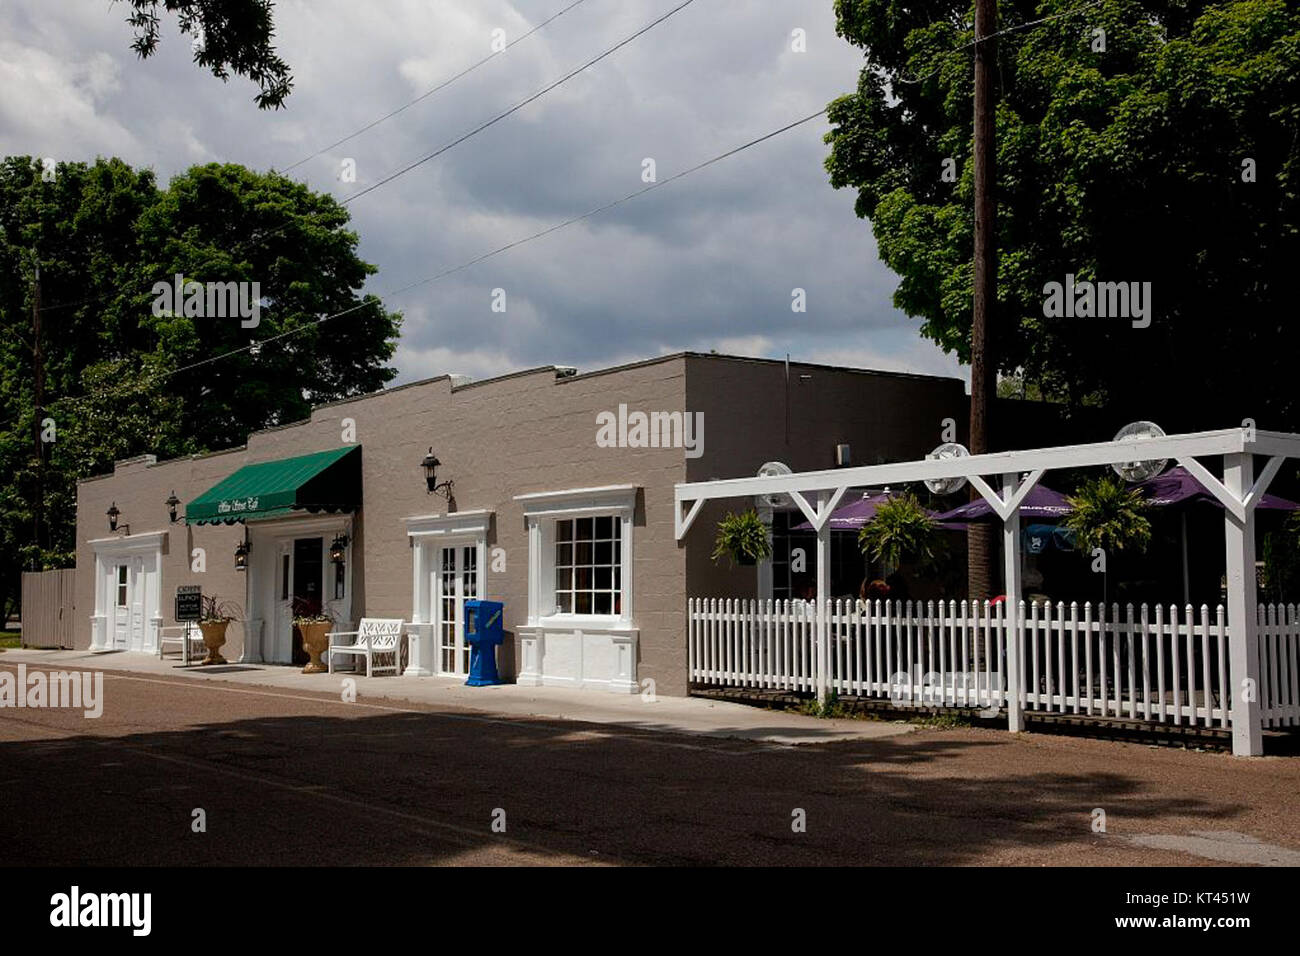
(374, 637)
(184, 636)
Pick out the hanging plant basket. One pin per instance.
(742, 538)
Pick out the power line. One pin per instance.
(441, 86)
(518, 106)
(243, 247)
(477, 259)
(992, 36)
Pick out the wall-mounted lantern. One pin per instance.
(172, 502)
(113, 514)
(430, 466)
(241, 553)
(339, 548)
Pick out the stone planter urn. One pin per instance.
(315, 641)
(214, 636)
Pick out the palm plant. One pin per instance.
(1105, 514)
(901, 530)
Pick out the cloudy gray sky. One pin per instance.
(708, 262)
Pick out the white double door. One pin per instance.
(454, 580)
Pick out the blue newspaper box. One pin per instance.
(483, 633)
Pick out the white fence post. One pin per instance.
(1243, 642)
(1011, 606)
(823, 603)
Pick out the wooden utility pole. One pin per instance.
(38, 389)
(983, 366)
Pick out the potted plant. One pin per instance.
(902, 530)
(214, 617)
(314, 623)
(743, 538)
(1106, 515)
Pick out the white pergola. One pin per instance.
(1239, 492)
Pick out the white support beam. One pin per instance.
(988, 494)
(1243, 637)
(1031, 481)
(826, 507)
(1011, 589)
(1009, 501)
(1263, 481)
(809, 512)
(1273, 444)
(682, 525)
(1223, 442)
(823, 597)
(1230, 500)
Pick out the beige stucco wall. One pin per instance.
(535, 432)
(524, 433)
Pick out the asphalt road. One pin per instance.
(302, 778)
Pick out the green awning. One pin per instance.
(328, 481)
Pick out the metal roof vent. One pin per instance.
(458, 380)
(565, 371)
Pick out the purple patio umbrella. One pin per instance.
(856, 513)
(1041, 502)
(1179, 486)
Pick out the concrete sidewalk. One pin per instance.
(685, 715)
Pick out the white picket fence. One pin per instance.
(1165, 665)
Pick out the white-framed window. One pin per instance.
(580, 555)
(121, 585)
(589, 565)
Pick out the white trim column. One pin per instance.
(1011, 609)
(823, 595)
(419, 631)
(1243, 636)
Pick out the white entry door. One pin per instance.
(455, 581)
(138, 589)
(120, 582)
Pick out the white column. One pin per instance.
(823, 598)
(419, 633)
(99, 620)
(765, 566)
(1243, 638)
(263, 567)
(252, 641)
(1011, 589)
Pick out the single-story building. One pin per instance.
(552, 492)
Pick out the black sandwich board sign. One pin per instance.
(189, 602)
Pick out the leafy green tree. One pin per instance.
(229, 35)
(221, 223)
(1137, 140)
(121, 380)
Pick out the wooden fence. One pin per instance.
(49, 611)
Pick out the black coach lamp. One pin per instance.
(430, 466)
(339, 548)
(113, 514)
(172, 502)
(241, 553)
